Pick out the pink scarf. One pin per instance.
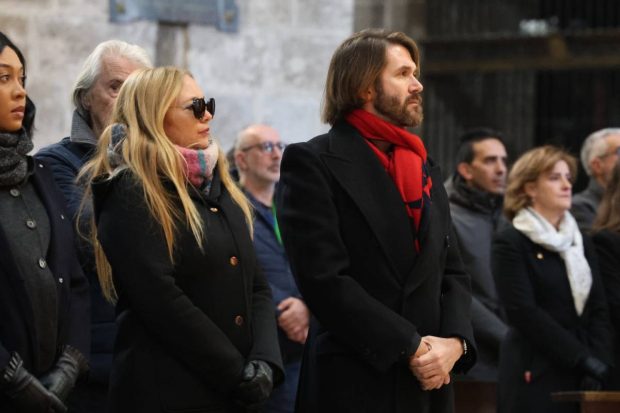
(199, 163)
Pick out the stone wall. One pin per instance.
(272, 70)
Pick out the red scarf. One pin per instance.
(406, 165)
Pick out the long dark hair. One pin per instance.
(28, 122)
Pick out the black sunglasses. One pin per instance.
(199, 106)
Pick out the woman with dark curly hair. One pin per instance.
(44, 320)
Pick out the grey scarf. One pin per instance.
(14, 146)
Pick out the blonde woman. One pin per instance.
(547, 279)
(196, 325)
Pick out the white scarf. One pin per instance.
(567, 242)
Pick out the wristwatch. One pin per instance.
(464, 347)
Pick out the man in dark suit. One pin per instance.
(366, 225)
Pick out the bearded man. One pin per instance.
(366, 225)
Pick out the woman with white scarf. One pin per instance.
(547, 278)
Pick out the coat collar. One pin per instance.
(362, 176)
(360, 173)
(81, 132)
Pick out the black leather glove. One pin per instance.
(255, 386)
(61, 379)
(26, 392)
(595, 373)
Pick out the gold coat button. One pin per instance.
(42, 263)
(239, 320)
(213, 209)
(234, 261)
(540, 256)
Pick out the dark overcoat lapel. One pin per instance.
(348, 149)
(435, 238)
(395, 235)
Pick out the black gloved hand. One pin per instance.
(26, 392)
(594, 368)
(256, 384)
(61, 379)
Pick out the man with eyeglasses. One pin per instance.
(258, 152)
(599, 154)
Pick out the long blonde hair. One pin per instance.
(148, 153)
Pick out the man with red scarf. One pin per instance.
(366, 224)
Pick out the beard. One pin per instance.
(399, 113)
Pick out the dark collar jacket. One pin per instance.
(185, 328)
(274, 264)
(66, 158)
(351, 248)
(585, 205)
(547, 337)
(16, 318)
(476, 216)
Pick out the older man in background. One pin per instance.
(599, 154)
(94, 94)
(258, 152)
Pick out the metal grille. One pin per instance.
(561, 101)
(571, 105)
(502, 101)
(581, 14)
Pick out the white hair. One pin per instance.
(594, 146)
(92, 67)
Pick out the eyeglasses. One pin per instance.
(199, 106)
(267, 146)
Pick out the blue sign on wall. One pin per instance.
(223, 14)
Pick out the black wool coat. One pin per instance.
(351, 248)
(185, 328)
(608, 251)
(16, 319)
(547, 337)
